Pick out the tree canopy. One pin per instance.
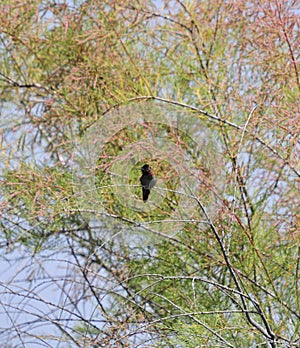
(207, 93)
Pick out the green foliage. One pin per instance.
(39, 203)
(229, 276)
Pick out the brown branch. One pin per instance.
(267, 331)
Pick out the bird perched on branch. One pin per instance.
(147, 180)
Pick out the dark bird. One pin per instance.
(147, 180)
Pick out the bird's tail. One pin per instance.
(146, 193)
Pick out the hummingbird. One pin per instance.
(147, 180)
